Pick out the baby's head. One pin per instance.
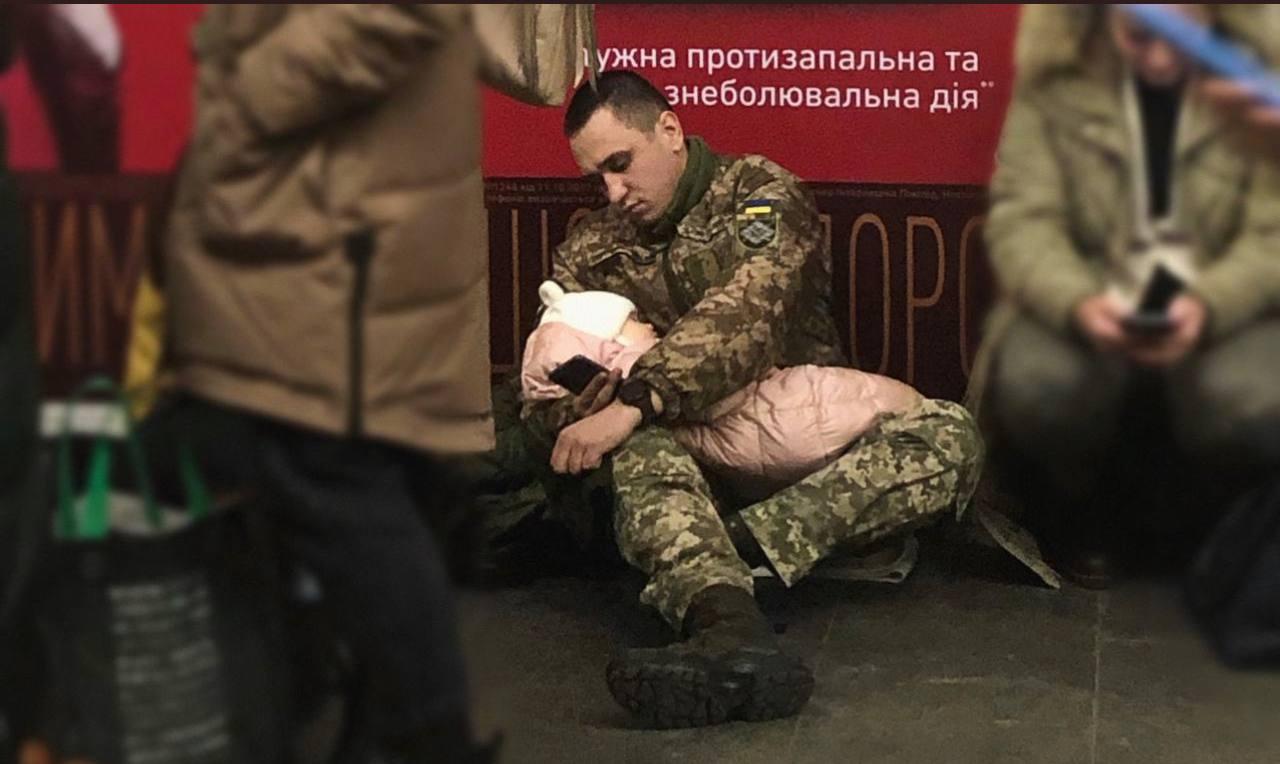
(605, 315)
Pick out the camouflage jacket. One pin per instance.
(743, 285)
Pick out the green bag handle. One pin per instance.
(198, 503)
(95, 522)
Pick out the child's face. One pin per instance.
(636, 331)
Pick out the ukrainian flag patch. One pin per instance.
(756, 223)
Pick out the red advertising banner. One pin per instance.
(891, 112)
(819, 56)
(155, 72)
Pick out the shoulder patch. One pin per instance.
(756, 223)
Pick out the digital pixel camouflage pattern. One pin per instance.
(728, 303)
(741, 286)
(902, 474)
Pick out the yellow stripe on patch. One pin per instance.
(758, 210)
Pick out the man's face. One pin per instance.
(640, 170)
(1155, 61)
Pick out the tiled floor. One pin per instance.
(948, 667)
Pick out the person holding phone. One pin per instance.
(1138, 254)
(725, 257)
(779, 429)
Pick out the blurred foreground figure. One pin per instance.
(328, 281)
(1114, 176)
(74, 53)
(19, 400)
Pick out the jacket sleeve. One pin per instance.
(1245, 282)
(534, 51)
(546, 418)
(735, 333)
(327, 59)
(1032, 255)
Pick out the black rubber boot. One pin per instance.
(1087, 567)
(730, 666)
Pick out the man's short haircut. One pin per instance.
(632, 98)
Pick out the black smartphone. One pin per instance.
(1152, 315)
(576, 373)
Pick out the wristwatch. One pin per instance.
(636, 393)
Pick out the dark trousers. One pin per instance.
(1107, 442)
(349, 511)
(345, 509)
(19, 489)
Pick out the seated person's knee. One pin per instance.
(1232, 419)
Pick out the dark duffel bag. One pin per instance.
(1233, 587)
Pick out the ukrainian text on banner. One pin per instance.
(891, 112)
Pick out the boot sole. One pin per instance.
(673, 693)
(778, 694)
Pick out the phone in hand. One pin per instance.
(576, 373)
(1152, 314)
(1208, 50)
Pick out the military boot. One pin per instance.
(730, 666)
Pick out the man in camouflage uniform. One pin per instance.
(726, 258)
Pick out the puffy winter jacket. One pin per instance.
(767, 435)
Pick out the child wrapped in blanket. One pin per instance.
(768, 435)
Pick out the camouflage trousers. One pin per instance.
(902, 474)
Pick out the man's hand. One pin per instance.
(1099, 319)
(1188, 315)
(597, 394)
(583, 445)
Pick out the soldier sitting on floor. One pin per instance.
(725, 257)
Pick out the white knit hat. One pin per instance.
(601, 314)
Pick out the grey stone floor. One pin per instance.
(951, 666)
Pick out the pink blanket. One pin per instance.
(770, 434)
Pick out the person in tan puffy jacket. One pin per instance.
(327, 277)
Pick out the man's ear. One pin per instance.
(669, 131)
